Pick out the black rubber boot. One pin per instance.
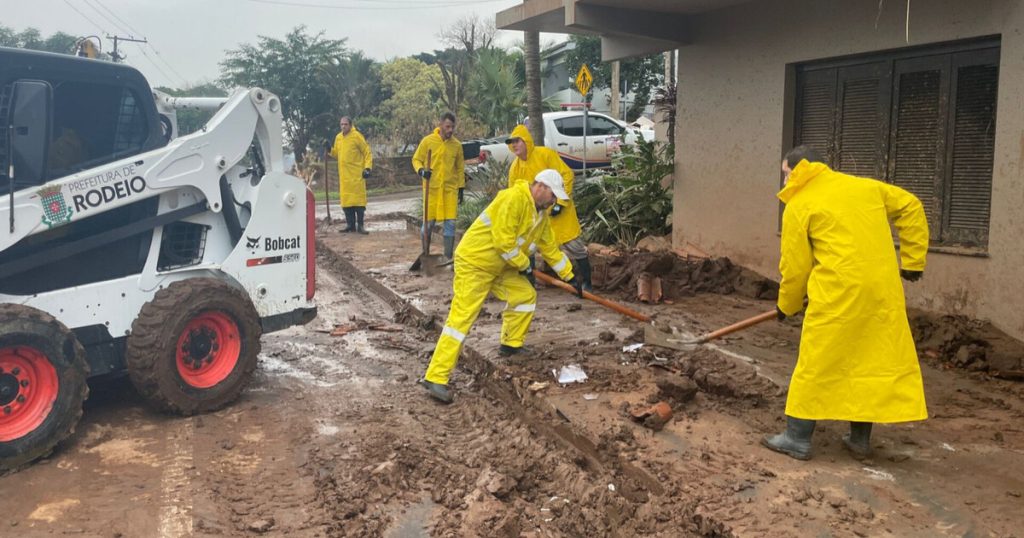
(507, 351)
(584, 271)
(795, 442)
(350, 220)
(449, 247)
(858, 440)
(437, 391)
(360, 213)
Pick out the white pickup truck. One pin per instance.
(563, 132)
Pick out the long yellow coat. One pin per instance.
(448, 173)
(354, 156)
(567, 224)
(857, 357)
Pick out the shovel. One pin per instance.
(426, 262)
(655, 337)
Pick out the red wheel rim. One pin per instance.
(28, 388)
(208, 349)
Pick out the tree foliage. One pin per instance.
(639, 76)
(496, 91)
(354, 82)
(31, 38)
(414, 103)
(291, 68)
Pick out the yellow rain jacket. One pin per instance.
(566, 225)
(488, 261)
(354, 156)
(448, 173)
(857, 357)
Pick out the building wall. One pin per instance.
(733, 115)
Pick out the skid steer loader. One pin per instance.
(125, 248)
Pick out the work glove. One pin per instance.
(424, 173)
(779, 314)
(461, 197)
(366, 173)
(577, 283)
(556, 210)
(911, 276)
(528, 273)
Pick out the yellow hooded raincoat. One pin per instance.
(567, 224)
(489, 258)
(354, 156)
(448, 173)
(857, 357)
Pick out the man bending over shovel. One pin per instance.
(857, 358)
(493, 258)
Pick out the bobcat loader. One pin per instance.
(125, 248)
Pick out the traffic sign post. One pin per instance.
(584, 79)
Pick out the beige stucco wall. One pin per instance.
(731, 119)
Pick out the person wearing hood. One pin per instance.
(857, 360)
(355, 160)
(493, 258)
(439, 161)
(530, 160)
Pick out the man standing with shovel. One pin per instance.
(857, 358)
(444, 175)
(493, 258)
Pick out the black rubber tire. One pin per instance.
(24, 325)
(151, 353)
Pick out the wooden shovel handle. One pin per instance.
(738, 326)
(587, 295)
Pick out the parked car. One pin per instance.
(563, 132)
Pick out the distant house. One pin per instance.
(930, 102)
(557, 82)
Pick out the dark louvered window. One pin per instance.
(923, 119)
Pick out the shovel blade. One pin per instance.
(654, 337)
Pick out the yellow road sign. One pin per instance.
(584, 79)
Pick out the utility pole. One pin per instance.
(114, 55)
(616, 98)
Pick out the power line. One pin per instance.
(101, 14)
(393, 6)
(86, 17)
(127, 26)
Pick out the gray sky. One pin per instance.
(192, 35)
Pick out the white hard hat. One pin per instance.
(552, 179)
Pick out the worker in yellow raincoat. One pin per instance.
(857, 358)
(493, 258)
(439, 161)
(354, 164)
(529, 161)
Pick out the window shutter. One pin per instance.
(918, 148)
(816, 102)
(973, 141)
(863, 135)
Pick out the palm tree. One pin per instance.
(534, 103)
(496, 91)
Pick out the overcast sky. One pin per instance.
(192, 35)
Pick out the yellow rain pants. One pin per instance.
(448, 174)
(857, 357)
(566, 225)
(354, 156)
(488, 261)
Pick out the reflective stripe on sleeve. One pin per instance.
(533, 248)
(558, 267)
(510, 254)
(485, 219)
(453, 334)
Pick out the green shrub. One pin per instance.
(631, 202)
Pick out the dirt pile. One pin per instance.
(967, 343)
(616, 270)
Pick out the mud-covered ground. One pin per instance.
(334, 438)
(958, 473)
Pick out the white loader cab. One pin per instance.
(124, 248)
